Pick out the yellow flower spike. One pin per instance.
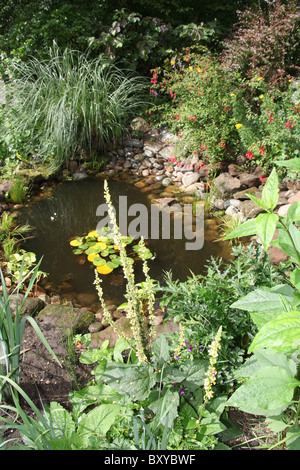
(238, 126)
(104, 269)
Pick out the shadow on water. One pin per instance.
(71, 211)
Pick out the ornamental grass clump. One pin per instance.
(143, 334)
(71, 105)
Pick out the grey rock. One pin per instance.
(67, 319)
(166, 181)
(249, 180)
(29, 306)
(226, 184)
(249, 209)
(189, 179)
(133, 143)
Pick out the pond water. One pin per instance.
(70, 211)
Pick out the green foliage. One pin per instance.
(202, 303)
(272, 387)
(70, 104)
(197, 103)
(265, 42)
(269, 121)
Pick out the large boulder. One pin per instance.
(67, 319)
(29, 306)
(226, 185)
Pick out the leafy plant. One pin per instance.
(272, 387)
(265, 42)
(196, 103)
(12, 330)
(268, 120)
(70, 104)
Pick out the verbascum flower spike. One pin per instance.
(212, 372)
(135, 311)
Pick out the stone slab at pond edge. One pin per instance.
(67, 319)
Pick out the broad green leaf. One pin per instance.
(293, 164)
(134, 380)
(160, 351)
(293, 437)
(62, 420)
(98, 421)
(266, 226)
(244, 230)
(257, 201)
(270, 192)
(281, 334)
(290, 242)
(293, 214)
(163, 406)
(268, 392)
(260, 300)
(262, 358)
(191, 374)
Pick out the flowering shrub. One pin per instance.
(192, 97)
(269, 121)
(265, 42)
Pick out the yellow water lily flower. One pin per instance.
(238, 126)
(75, 242)
(104, 269)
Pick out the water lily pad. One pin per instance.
(77, 252)
(98, 261)
(93, 234)
(112, 264)
(76, 242)
(104, 269)
(91, 256)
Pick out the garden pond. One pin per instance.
(69, 210)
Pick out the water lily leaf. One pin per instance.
(77, 252)
(75, 242)
(112, 264)
(91, 256)
(84, 246)
(105, 269)
(93, 234)
(98, 261)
